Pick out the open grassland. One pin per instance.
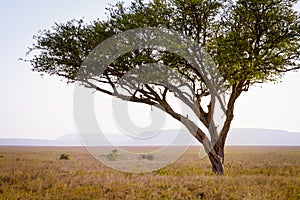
(251, 173)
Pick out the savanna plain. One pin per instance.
(250, 173)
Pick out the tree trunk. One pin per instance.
(216, 155)
(216, 162)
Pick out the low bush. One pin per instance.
(146, 157)
(64, 156)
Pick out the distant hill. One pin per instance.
(263, 137)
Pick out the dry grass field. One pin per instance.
(251, 173)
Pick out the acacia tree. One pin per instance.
(251, 42)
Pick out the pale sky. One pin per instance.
(35, 107)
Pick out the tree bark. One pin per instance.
(217, 156)
(216, 162)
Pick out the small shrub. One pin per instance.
(146, 157)
(64, 156)
(113, 155)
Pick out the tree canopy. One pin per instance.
(250, 42)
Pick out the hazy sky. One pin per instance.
(35, 107)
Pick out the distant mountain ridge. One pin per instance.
(240, 136)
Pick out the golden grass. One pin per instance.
(251, 173)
